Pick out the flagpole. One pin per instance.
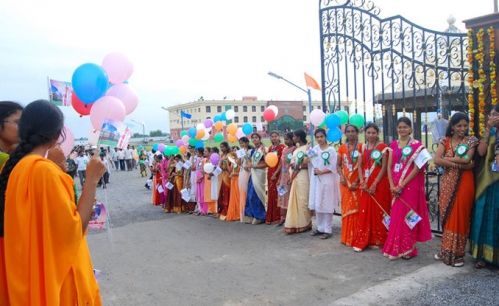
(49, 90)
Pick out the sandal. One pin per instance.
(480, 264)
(458, 264)
(326, 236)
(437, 256)
(407, 257)
(358, 250)
(316, 233)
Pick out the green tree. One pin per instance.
(156, 133)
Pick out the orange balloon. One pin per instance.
(219, 125)
(199, 134)
(232, 129)
(183, 149)
(271, 159)
(231, 138)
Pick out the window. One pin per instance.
(236, 109)
(261, 119)
(219, 109)
(199, 109)
(208, 109)
(245, 119)
(319, 107)
(253, 119)
(304, 108)
(253, 108)
(245, 109)
(262, 108)
(236, 119)
(304, 118)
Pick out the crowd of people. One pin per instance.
(378, 188)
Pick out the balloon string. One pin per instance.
(108, 221)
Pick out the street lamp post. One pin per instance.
(307, 91)
(143, 128)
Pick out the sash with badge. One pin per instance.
(257, 156)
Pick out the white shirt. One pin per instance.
(82, 162)
(128, 153)
(121, 154)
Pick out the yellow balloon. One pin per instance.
(232, 129)
(231, 138)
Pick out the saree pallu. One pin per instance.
(234, 211)
(243, 188)
(484, 237)
(370, 229)
(157, 197)
(283, 200)
(189, 206)
(457, 192)
(349, 198)
(298, 218)
(256, 197)
(210, 203)
(202, 206)
(273, 211)
(401, 240)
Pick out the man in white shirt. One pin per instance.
(121, 159)
(81, 162)
(114, 157)
(128, 158)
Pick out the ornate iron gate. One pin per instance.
(386, 67)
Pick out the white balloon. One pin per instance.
(208, 168)
(200, 126)
(185, 139)
(240, 133)
(229, 114)
(206, 134)
(274, 109)
(317, 117)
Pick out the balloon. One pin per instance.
(269, 115)
(208, 123)
(68, 143)
(199, 145)
(271, 159)
(317, 117)
(239, 133)
(179, 143)
(165, 151)
(185, 140)
(206, 135)
(193, 142)
(155, 147)
(183, 133)
(274, 109)
(223, 116)
(219, 137)
(175, 150)
(161, 147)
(208, 168)
(107, 108)
(229, 114)
(126, 94)
(247, 129)
(217, 118)
(232, 128)
(118, 67)
(80, 107)
(89, 82)
(183, 150)
(200, 126)
(343, 116)
(231, 138)
(218, 125)
(332, 121)
(334, 134)
(200, 134)
(357, 120)
(214, 158)
(192, 132)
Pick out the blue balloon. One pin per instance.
(155, 147)
(192, 132)
(199, 144)
(89, 82)
(334, 134)
(247, 129)
(223, 116)
(332, 121)
(217, 118)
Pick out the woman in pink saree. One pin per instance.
(406, 178)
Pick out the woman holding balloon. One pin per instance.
(273, 174)
(256, 198)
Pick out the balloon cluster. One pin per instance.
(103, 91)
(332, 122)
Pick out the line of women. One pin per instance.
(378, 188)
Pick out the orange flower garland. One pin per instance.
(471, 81)
(492, 65)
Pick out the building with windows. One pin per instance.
(292, 114)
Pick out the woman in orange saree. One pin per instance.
(233, 212)
(457, 188)
(348, 156)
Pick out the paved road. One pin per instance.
(152, 258)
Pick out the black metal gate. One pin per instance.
(387, 67)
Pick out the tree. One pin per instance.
(156, 133)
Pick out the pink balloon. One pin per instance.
(126, 94)
(106, 108)
(68, 143)
(317, 117)
(179, 143)
(161, 147)
(185, 140)
(208, 123)
(118, 67)
(240, 133)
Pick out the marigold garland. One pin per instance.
(471, 81)
(492, 65)
(482, 78)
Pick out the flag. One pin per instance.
(60, 92)
(311, 82)
(185, 115)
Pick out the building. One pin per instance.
(248, 109)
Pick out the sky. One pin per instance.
(181, 50)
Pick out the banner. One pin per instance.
(60, 92)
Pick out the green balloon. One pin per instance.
(175, 150)
(357, 120)
(193, 142)
(343, 116)
(219, 137)
(183, 133)
(323, 125)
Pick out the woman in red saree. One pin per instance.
(157, 184)
(409, 198)
(457, 188)
(348, 156)
(273, 175)
(225, 190)
(375, 199)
